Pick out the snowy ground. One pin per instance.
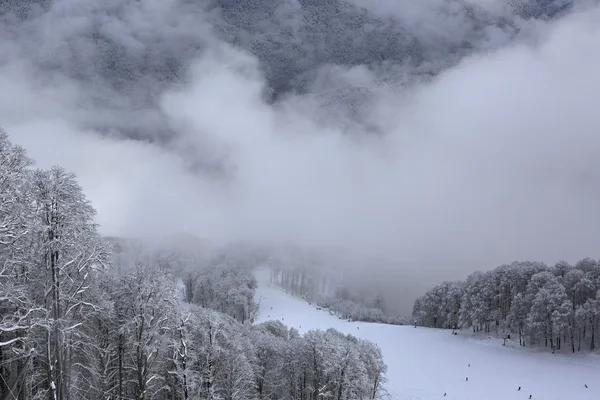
(426, 363)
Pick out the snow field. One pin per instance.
(425, 363)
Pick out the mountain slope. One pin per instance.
(426, 363)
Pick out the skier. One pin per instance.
(467, 379)
(519, 389)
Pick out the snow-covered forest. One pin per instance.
(431, 364)
(84, 317)
(320, 281)
(253, 199)
(555, 307)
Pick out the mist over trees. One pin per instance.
(320, 281)
(135, 80)
(230, 119)
(223, 287)
(82, 317)
(554, 306)
(298, 43)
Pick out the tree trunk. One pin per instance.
(572, 341)
(521, 343)
(120, 366)
(185, 386)
(341, 386)
(375, 387)
(3, 373)
(58, 367)
(593, 341)
(51, 382)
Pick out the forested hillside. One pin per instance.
(319, 279)
(300, 45)
(554, 307)
(83, 317)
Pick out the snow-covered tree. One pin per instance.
(17, 312)
(68, 252)
(74, 327)
(545, 305)
(146, 303)
(224, 286)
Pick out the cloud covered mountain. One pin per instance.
(122, 54)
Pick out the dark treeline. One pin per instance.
(82, 317)
(550, 306)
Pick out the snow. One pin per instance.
(426, 363)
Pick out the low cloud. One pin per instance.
(492, 159)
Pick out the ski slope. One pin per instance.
(426, 363)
